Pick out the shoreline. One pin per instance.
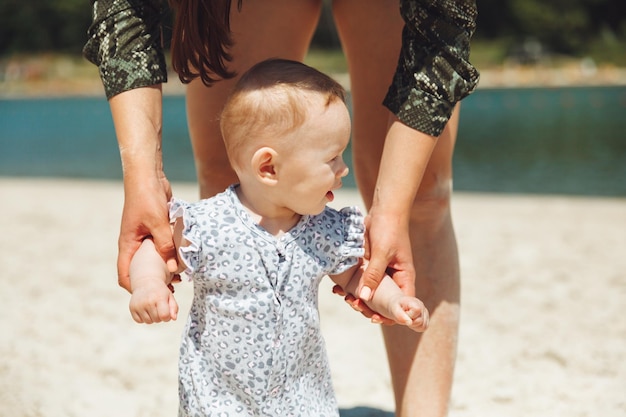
(42, 86)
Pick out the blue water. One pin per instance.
(557, 141)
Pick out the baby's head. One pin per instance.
(271, 100)
(285, 128)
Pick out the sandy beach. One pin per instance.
(543, 326)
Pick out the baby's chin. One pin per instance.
(320, 209)
(328, 198)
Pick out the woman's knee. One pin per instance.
(432, 200)
(435, 191)
(214, 176)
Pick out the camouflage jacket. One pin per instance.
(432, 75)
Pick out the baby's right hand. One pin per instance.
(153, 302)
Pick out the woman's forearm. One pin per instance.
(137, 116)
(404, 160)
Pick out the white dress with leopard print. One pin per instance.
(252, 345)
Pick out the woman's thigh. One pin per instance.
(370, 33)
(261, 29)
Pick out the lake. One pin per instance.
(568, 140)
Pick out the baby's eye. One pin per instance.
(336, 158)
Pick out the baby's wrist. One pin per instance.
(145, 282)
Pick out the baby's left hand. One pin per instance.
(410, 312)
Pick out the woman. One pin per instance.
(402, 159)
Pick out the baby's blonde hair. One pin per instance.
(269, 101)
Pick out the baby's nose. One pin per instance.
(344, 171)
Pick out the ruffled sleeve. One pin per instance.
(354, 239)
(190, 254)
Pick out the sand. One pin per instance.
(543, 325)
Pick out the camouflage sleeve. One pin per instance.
(433, 71)
(125, 43)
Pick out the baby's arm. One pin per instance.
(151, 300)
(388, 300)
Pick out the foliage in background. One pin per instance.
(594, 28)
(43, 25)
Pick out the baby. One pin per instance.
(257, 252)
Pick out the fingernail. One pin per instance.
(366, 293)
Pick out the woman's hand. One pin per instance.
(388, 249)
(145, 214)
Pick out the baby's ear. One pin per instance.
(263, 164)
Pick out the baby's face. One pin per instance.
(314, 168)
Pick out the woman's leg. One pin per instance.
(421, 365)
(263, 29)
(370, 33)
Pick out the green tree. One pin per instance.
(43, 25)
(564, 26)
(561, 24)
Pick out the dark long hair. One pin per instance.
(201, 39)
